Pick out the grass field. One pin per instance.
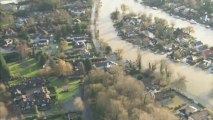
(28, 68)
(64, 84)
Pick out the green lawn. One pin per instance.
(27, 68)
(69, 47)
(62, 84)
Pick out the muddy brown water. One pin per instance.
(199, 83)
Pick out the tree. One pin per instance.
(44, 5)
(38, 113)
(2, 88)
(138, 61)
(88, 65)
(63, 45)
(119, 53)
(116, 15)
(78, 103)
(43, 57)
(45, 71)
(3, 111)
(189, 29)
(116, 96)
(63, 69)
(124, 8)
(193, 4)
(108, 50)
(146, 42)
(180, 83)
(22, 49)
(78, 28)
(4, 70)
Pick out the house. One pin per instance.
(20, 99)
(182, 40)
(187, 110)
(193, 14)
(8, 5)
(77, 21)
(42, 98)
(179, 9)
(169, 47)
(20, 22)
(77, 11)
(201, 115)
(16, 92)
(130, 33)
(196, 44)
(104, 65)
(153, 42)
(208, 54)
(135, 21)
(75, 39)
(80, 46)
(186, 11)
(201, 48)
(41, 43)
(8, 42)
(191, 60)
(10, 33)
(205, 64)
(27, 105)
(85, 54)
(148, 34)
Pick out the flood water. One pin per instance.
(199, 83)
(8, 1)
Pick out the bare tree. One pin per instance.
(45, 71)
(63, 45)
(79, 104)
(2, 88)
(189, 29)
(63, 68)
(121, 97)
(180, 83)
(124, 8)
(138, 61)
(3, 111)
(120, 53)
(22, 49)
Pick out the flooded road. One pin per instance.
(199, 83)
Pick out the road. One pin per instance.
(199, 83)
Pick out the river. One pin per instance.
(199, 83)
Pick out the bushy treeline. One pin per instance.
(113, 95)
